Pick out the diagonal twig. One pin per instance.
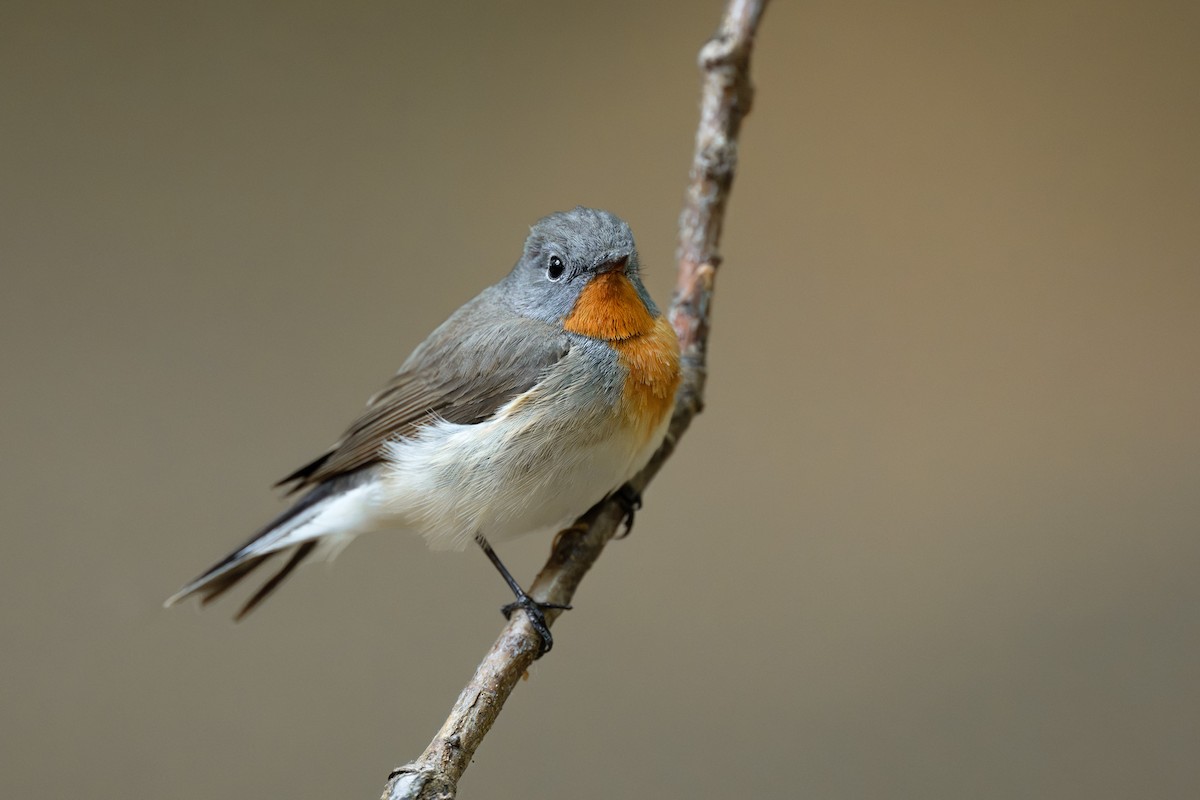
(726, 98)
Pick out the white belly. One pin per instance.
(512, 475)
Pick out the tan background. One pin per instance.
(936, 535)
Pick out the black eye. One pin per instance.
(555, 269)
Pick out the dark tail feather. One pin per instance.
(222, 583)
(230, 570)
(300, 478)
(302, 552)
(209, 589)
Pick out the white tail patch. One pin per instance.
(335, 521)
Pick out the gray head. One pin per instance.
(564, 251)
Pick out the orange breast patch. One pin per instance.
(609, 308)
(652, 361)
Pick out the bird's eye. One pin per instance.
(555, 269)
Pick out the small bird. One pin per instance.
(534, 401)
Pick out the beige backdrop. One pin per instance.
(935, 536)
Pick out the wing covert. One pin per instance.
(475, 362)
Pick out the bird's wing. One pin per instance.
(473, 364)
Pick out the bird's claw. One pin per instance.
(630, 501)
(537, 618)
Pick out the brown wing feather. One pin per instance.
(474, 363)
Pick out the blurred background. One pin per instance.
(936, 534)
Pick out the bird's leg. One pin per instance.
(532, 608)
(631, 501)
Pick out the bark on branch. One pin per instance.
(726, 98)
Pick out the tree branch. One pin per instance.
(726, 98)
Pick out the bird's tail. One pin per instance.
(299, 529)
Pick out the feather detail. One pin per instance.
(302, 552)
(652, 376)
(609, 308)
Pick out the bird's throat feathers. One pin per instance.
(610, 308)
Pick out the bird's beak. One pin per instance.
(616, 265)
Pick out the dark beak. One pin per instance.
(616, 265)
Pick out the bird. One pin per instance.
(534, 401)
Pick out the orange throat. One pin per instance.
(609, 308)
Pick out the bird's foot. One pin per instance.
(537, 617)
(631, 501)
(578, 528)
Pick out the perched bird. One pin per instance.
(537, 399)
